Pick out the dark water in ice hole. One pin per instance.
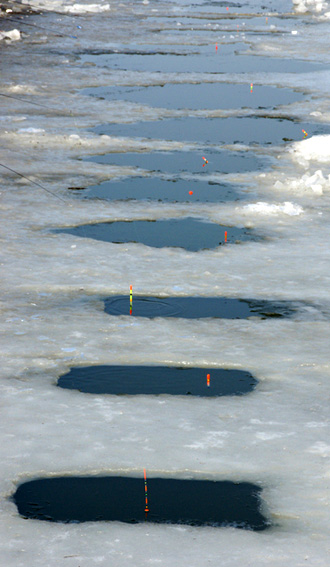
(222, 161)
(198, 96)
(160, 189)
(122, 499)
(199, 307)
(156, 380)
(188, 233)
(199, 59)
(234, 130)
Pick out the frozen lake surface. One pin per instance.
(120, 102)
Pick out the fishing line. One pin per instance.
(34, 182)
(57, 33)
(34, 103)
(39, 10)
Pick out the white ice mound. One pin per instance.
(286, 208)
(316, 148)
(14, 35)
(84, 8)
(303, 6)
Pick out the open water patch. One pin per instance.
(246, 130)
(158, 380)
(123, 499)
(162, 189)
(199, 307)
(196, 96)
(188, 233)
(222, 161)
(200, 59)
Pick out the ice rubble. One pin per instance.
(67, 7)
(13, 35)
(286, 208)
(316, 148)
(303, 6)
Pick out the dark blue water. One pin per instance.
(200, 96)
(199, 59)
(156, 380)
(198, 307)
(222, 161)
(235, 130)
(122, 499)
(160, 189)
(188, 233)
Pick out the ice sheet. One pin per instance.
(53, 286)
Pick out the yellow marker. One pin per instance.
(130, 299)
(208, 380)
(305, 133)
(251, 87)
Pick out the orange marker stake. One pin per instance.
(205, 161)
(266, 20)
(305, 133)
(191, 192)
(130, 299)
(146, 509)
(208, 380)
(225, 236)
(216, 47)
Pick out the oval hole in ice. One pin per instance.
(198, 307)
(189, 233)
(159, 189)
(122, 498)
(156, 380)
(219, 162)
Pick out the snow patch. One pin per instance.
(86, 8)
(13, 35)
(303, 6)
(264, 208)
(316, 148)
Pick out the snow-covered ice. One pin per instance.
(53, 286)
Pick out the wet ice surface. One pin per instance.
(169, 501)
(52, 285)
(157, 380)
